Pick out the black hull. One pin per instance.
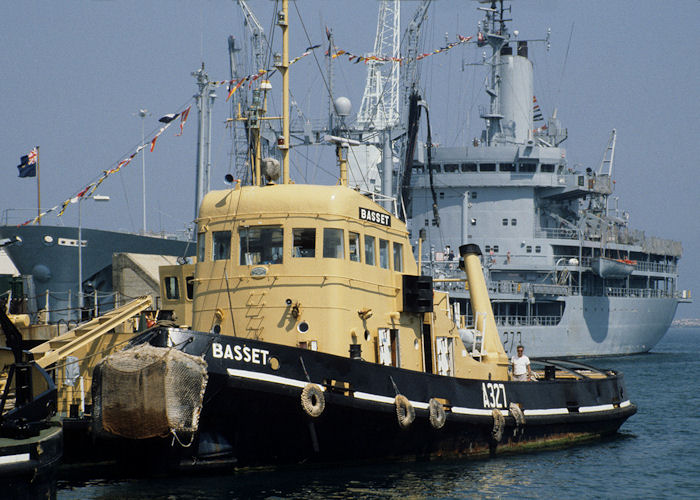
(252, 414)
(33, 458)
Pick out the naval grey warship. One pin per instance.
(47, 259)
(567, 274)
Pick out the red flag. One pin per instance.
(236, 87)
(153, 142)
(183, 119)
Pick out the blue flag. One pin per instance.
(27, 166)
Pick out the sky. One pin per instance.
(75, 74)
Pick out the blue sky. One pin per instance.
(74, 74)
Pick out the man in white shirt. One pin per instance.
(521, 366)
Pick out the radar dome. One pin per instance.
(342, 106)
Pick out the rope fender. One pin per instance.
(312, 400)
(437, 413)
(405, 413)
(517, 414)
(498, 424)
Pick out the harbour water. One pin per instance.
(655, 455)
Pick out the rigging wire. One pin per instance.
(563, 67)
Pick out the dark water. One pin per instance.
(655, 455)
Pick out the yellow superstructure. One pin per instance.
(321, 268)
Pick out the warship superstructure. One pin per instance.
(566, 273)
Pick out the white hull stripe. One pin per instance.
(266, 377)
(477, 411)
(589, 409)
(375, 398)
(547, 411)
(275, 379)
(386, 399)
(607, 407)
(13, 459)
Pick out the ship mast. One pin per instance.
(283, 67)
(496, 39)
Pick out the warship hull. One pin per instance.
(254, 415)
(595, 326)
(49, 254)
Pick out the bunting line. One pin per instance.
(536, 111)
(89, 190)
(234, 84)
(401, 60)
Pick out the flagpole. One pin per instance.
(143, 113)
(38, 188)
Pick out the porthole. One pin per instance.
(303, 327)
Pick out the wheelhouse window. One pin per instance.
(487, 167)
(468, 167)
(333, 243)
(354, 246)
(221, 245)
(528, 167)
(547, 167)
(261, 245)
(369, 251)
(172, 290)
(506, 167)
(304, 242)
(384, 254)
(398, 257)
(201, 242)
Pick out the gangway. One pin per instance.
(58, 348)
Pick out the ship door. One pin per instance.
(388, 345)
(427, 349)
(445, 355)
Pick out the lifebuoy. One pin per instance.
(404, 411)
(312, 400)
(437, 413)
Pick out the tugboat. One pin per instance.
(314, 337)
(31, 436)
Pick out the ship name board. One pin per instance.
(376, 217)
(240, 353)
